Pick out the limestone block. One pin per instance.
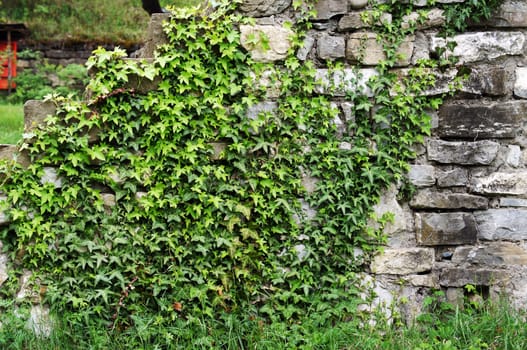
(35, 112)
(338, 83)
(27, 289)
(388, 204)
(155, 35)
(430, 280)
(462, 152)
(40, 321)
(502, 224)
(501, 183)
(304, 51)
(520, 85)
(488, 80)
(364, 48)
(434, 18)
(478, 119)
(403, 261)
(357, 4)
(432, 199)
(262, 8)
(325, 9)
(3, 268)
(218, 148)
(483, 46)
(460, 277)
(514, 155)
(422, 175)
(354, 20)
(445, 228)
(331, 47)
(513, 202)
(108, 200)
(494, 254)
(266, 43)
(452, 178)
(511, 13)
(50, 176)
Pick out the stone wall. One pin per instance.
(467, 223)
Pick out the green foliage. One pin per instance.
(46, 79)
(11, 123)
(185, 203)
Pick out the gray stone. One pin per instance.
(403, 261)
(488, 80)
(455, 296)
(364, 48)
(452, 178)
(7, 152)
(266, 43)
(403, 220)
(357, 4)
(50, 176)
(40, 321)
(155, 35)
(520, 85)
(445, 228)
(262, 107)
(326, 9)
(495, 254)
(502, 224)
(430, 280)
(331, 47)
(432, 199)
(108, 200)
(3, 268)
(511, 13)
(304, 51)
(513, 202)
(35, 113)
(514, 155)
(359, 20)
(422, 175)
(483, 46)
(460, 277)
(341, 82)
(262, 8)
(218, 148)
(501, 183)
(462, 152)
(478, 119)
(434, 18)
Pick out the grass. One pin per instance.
(11, 123)
(121, 22)
(487, 326)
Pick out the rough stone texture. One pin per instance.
(403, 220)
(262, 8)
(364, 48)
(304, 51)
(513, 202)
(35, 112)
(3, 268)
(403, 261)
(432, 199)
(514, 155)
(462, 152)
(7, 152)
(488, 80)
(483, 46)
(108, 200)
(327, 9)
(217, 149)
(357, 4)
(331, 47)
(476, 120)
(434, 18)
(452, 178)
(50, 176)
(445, 228)
(354, 20)
(278, 41)
(340, 82)
(430, 280)
(520, 85)
(512, 13)
(501, 183)
(155, 35)
(502, 224)
(422, 175)
(460, 277)
(40, 321)
(495, 254)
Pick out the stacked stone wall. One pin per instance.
(467, 222)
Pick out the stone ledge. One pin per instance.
(441, 229)
(462, 152)
(403, 261)
(502, 224)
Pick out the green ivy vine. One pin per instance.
(186, 203)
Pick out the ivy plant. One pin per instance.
(189, 200)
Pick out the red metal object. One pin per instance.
(8, 65)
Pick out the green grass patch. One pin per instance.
(117, 21)
(485, 326)
(11, 123)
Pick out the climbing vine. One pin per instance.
(190, 200)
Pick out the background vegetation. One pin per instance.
(119, 22)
